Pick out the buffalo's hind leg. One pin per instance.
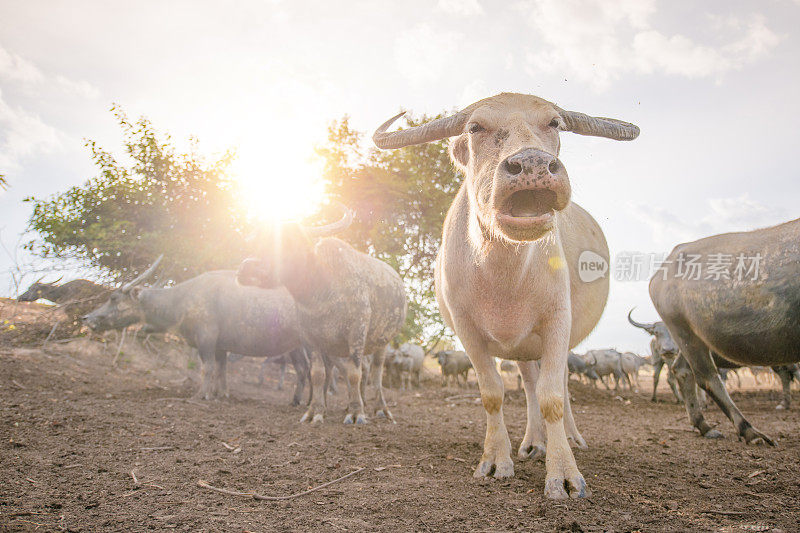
(316, 409)
(533, 444)
(696, 354)
(381, 410)
(301, 369)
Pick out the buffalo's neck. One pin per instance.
(310, 284)
(161, 307)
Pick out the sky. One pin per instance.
(712, 85)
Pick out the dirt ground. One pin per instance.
(85, 446)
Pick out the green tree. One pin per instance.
(400, 198)
(163, 201)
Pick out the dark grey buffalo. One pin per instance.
(607, 362)
(76, 297)
(455, 364)
(216, 315)
(663, 351)
(350, 305)
(743, 309)
(577, 365)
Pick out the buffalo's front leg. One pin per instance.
(563, 477)
(496, 458)
(316, 409)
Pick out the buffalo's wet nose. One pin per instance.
(531, 161)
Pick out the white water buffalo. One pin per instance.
(350, 305)
(744, 311)
(507, 272)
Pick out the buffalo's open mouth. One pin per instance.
(528, 208)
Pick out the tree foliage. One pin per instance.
(162, 201)
(400, 198)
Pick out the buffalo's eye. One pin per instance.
(554, 123)
(474, 127)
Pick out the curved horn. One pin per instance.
(143, 276)
(430, 131)
(610, 128)
(56, 281)
(340, 225)
(638, 324)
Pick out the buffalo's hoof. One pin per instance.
(782, 406)
(578, 442)
(713, 434)
(318, 419)
(499, 470)
(361, 420)
(385, 413)
(348, 419)
(753, 436)
(560, 489)
(532, 451)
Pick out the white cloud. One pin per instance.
(464, 8)
(15, 68)
(597, 42)
(423, 53)
(723, 215)
(23, 134)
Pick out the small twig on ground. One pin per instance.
(68, 467)
(725, 513)
(157, 448)
(187, 400)
(18, 384)
(462, 396)
(135, 479)
(206, 485)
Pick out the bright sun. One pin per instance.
(280, 192)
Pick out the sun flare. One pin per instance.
(276, 193)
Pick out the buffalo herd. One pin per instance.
(507, 283)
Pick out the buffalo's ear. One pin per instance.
(135, 292)
(459, 152)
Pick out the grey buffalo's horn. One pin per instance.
(143, 276)
(611, 128)
(56, 281)
(334, 227)
(430, 131)
(638, 324)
